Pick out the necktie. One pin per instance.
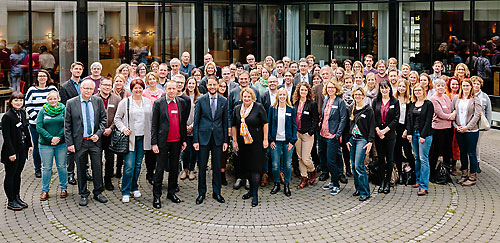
(87, 115)
(212, 106)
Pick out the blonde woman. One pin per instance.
(119, 86)
(462, 71)
(269, 63)
(402, 144)
(427, 83)
(152, 91)
(357, 67)
(413, 78)
(371, 88)
(282, 137)
(405, 70)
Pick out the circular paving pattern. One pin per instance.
(449, 213)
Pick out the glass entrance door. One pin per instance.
(332, 41)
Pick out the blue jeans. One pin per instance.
(358, 154)
(281, 152)
(132, 167)
(467, 143)
(36, 153)
(15, 82)
(422, 168)
(48, 153)
(328, 151)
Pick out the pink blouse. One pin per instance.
(325, 132)
(152, 96)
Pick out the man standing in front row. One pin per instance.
(210, 134)
(84, 123)
(168, 139)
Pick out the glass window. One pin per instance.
(295, 31)
(319, 14)
(179, 30)
(345, 13)
(106, 25)
(54, 28)
(375, 30)
(245, 31)
(270, 37)
(145, 31)
(451, 33)
(414, 43)
(217, 31)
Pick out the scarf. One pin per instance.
(53, 111)
(244, 128)
(263, 82)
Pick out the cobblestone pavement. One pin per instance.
(450, 213)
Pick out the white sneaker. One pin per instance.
(125, 199)
(137, 194)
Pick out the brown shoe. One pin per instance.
(282, 177)
(303, 183)
(312, 178)
(191, 176)
(465, 176)
(63, 194)
(471, 181)
(183, 175)
(44, 196)
(263, 182)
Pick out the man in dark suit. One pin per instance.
(303, 75)
(84, 123)
(210, 134)
(288, 84)
(70, 89)
(206, 59)
(168, 139)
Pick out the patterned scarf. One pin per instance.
(244, 128)
(53, 111)
(263, 82)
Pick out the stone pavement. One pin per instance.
(450, 213)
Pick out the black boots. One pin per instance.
(223, 178)
(13, 205)
(276, 188)
(20, 202)
(287, 190)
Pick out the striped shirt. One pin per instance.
(35, 99)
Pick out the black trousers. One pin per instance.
(109, 157)
(91, 149)
(150, 160)
(442, 140)
(170, 153)
(12, 181)
(216, 165)
(385, 151)
(402, 144)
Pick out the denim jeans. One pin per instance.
(48, 153)
(36, 153)
(15, 81)
(190, 155)
(358, 154)
(329, 151)
(132, 167)
(467, 143)
(422, 168)
(322, 159)
(281, 152)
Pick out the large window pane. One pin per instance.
(415, 35)
(345, 13)
(270, 34)
(295, 31)
(451, 33)
(106, 25)
(245, 31)
(217, 31)
(145, 31)
(319, 13)
(374, 30)
(179, 30)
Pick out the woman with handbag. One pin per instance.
(477, 83)
(133, 118)
(468, 109)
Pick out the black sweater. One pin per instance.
(364, 118)
(310, 117)
(425, 119)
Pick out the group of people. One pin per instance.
(269, 119)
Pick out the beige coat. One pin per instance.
(121, 121)
(473, 113)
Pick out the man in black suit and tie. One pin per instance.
(210, 134)
(168, 139)
(84, 123)
(303, 75)
(70, 89)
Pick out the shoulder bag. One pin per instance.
(119, 141)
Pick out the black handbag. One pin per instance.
(119, 141)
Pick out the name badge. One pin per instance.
(306, 112)
(363, 116)
(444, 107)
(174, 112)
(391, 107)
(18, 124)
(484, 100)
(335, 107)
(288, 114)
(419, 109)
(111, 105)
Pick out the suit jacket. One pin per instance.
(160, 124)
(113, 101)
(338, 116)
(293, 90)
(266, 100)
(205, 126)
(73, 121)
(392, 118)
(67, 91)
(474, 110)
(12, 140)
(310, 117)
(296, 79)
(235, 99)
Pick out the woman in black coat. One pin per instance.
(16, 146)
(386, 110)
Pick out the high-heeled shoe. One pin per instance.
(247, 195)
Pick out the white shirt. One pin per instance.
(402, 112)
(289, 90)
(304, 78)
(462, 111)
(280, 133)
(272, 97)
(137, 117)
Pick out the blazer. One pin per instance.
(122, 121)
(67, 91)
(266, 100)
(12, 140)
(160, 123)
(338, 116)
(363, 118)
(113, 101)
(392, 118)
(474, 110)
(425, 119)
(73, 121)
(310, 117)
(235, 99)
(205, 126)
(290, 124)
(296, 79)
